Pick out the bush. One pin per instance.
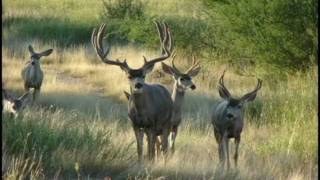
(279, 33)
(121, 9)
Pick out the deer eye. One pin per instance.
(182, 79)
(130, 77)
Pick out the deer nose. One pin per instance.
(15, 107)
(138, 86)
(193, 87)
(229, 115)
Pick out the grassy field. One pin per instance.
(81, 130)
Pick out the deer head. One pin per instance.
(183, 80)
(35, 57)
(235, 105)
(136, 77)
(15, 105)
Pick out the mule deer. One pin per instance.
(227, 119)
(32, 74)
(150, 105)
(14, 105)
(182, 82)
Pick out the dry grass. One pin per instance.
(84, 90)
(81, 128)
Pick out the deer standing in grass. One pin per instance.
(227, 119)
(150, 105)
(182, 82)
(32, 74)
(14, 105)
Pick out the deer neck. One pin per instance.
(138, 100)
(177, 97)
(33, 73)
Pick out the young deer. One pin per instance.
(227, 119)
(182, 82)
(150, 105)
(13, 105)
(32, 74)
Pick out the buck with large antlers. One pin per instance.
(150, 105)
(32, 74)
(227, 119)
(182, 82)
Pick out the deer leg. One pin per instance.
(224, 148)
(173, 138)
(227, 153)
(26, 88)
(237, 142)
(164, 143)
(219, 139)
(158, 147)
(151, 137)
(139, 137)
(36, 94)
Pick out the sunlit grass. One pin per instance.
(82, 118)
(82, 94)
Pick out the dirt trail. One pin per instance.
(66, 78)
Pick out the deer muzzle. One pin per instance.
(138, 85)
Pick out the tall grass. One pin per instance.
(80, 129)
(83, 119)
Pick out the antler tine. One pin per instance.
(172, 62)
(168, 40)
(259, 85)
(194, 64)
(96, 40)
(100, 38)
(221, 84)
(161, 35)
(164, 35)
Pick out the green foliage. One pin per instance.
(280, 33)
(121, 9)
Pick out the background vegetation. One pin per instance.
(80, 128)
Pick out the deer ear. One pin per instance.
(167, 69)
(25, 99)
(5, 94)
(46, 52)
(148, 68)
(223, 94)
(194, 72)
(127, 94)
(30, 48)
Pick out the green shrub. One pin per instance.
(281, 33)
(121, 9)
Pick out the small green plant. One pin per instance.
(131, 9)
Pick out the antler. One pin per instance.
(221, 85)
(173, 65)
(259, 85)
(194, 65)
(96, 40)
(165, 42)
